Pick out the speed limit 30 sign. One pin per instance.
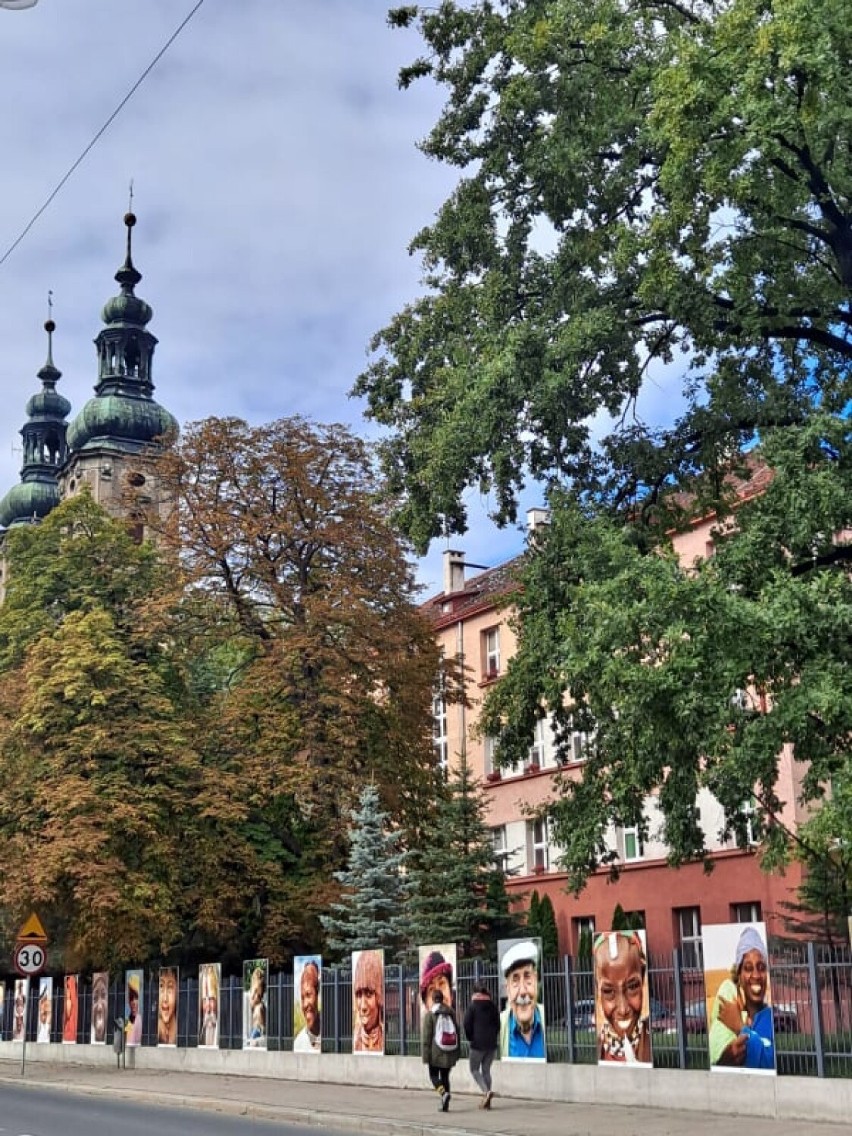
(30, 959)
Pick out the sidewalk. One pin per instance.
(391, 1112)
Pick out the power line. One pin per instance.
(102, 131)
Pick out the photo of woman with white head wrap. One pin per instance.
(741, 1031)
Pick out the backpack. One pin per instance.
(446, 1034)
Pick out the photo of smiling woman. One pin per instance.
(368, 1002)
(167, 1006)
(621, 998)
(736, 973)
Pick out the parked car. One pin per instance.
(662, 1017)
(695, 1016)
(584, 1013)
(785, 1017)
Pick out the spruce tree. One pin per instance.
(370, 911)
(457, 893)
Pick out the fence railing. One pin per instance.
(811, 994)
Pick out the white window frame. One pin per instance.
(689, 934)
(539, 844)
(632, 845)
(440, 737)
(536, 752)
(748, 911)
(500, 848)
(491, 651)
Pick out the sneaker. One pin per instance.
(445, 1102)
(482, 1100)
(487, 1101)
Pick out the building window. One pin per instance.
(748, 912)
(583, 927)
(500, 848)
(535, 756)
(689, 936)
(576, 745)
(440, 739)
(630, 843)
(748, 814)
(493, 772)
(491, 652)
(539, 845)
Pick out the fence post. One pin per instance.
(401, 986)
(816, 1010)
(567, 972)
(680, 1015)
(336, 973)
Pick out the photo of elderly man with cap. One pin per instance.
(522, 1021)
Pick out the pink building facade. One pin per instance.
(471, 624)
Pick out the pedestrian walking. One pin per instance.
(482, 1030)
(440, 1045)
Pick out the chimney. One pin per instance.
(536, 519)
(453, 571)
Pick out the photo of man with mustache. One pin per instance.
(522, 1021)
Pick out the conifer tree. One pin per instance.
(533, 912)
(370, 912)
(457, 894)
(547, 930)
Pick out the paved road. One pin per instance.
(380, 1112)
(29, 1110)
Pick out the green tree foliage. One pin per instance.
(646, 191)
(641, 185)
(315, 665)
(541, 923)
(371, 911)
(457, 894)
(698, 676)
(98, 778)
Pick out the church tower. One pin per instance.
(112, 440)
(45, 449)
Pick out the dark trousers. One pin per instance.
(440, 1078)
(480, 1067)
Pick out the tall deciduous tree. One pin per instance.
(637, 181)
(647, 191)
(281, 529)
(98, 778)
(457, 893)
(697, 676)
(371, 912)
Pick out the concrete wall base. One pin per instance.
(793, 1098)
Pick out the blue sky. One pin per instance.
(277, 185)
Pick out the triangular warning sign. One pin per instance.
(32, 931)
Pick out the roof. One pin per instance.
(479, 593)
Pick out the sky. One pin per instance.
(277, 185)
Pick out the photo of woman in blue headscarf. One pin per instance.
(741, 1031)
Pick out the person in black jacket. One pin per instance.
(482, 1030)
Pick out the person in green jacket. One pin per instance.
(440, 1045)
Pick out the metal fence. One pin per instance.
(811, 987)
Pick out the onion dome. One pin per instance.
(45, 449)
(123, 414)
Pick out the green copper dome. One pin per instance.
(123, 414)
(28, 501)
(116, 418)
(45, 449)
